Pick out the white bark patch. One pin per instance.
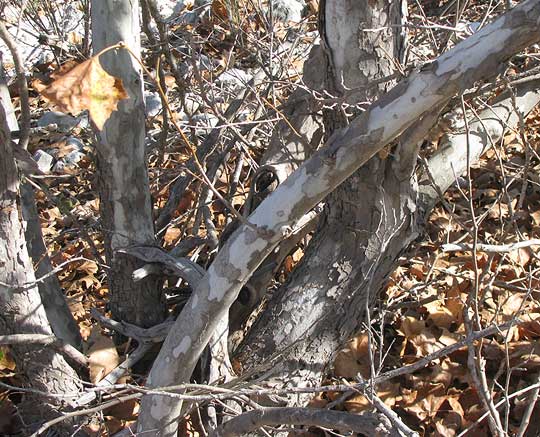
(240, 252)
(182, 348)
(476, 51)
(218, 284)
(343, 270)
(159, 408)
(383, 117)
(280, 336)
(298, 186)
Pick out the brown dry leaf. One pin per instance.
(185, 203)
(89, 267)
(172, 234)
(426, 402)
(440, 314)
(6, 359)
(124, 411)
(530, 328)
(511, 303)
(353, 359)
(102, 356)
(387, 392)
(455, 298)
(76, 307)
(452, 420)
(510, 137)
(219, 10)
(521, 256)
(418, 337)
(536, 217)
(87, 86)
(318, 401)
(418, 271)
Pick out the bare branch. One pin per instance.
(474, 59)
(250, 421)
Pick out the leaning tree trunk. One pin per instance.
(276, 217)
(21, 309)
(326, 297)
(125, 202)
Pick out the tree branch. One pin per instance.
(474, 59)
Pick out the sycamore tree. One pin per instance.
(345, 175)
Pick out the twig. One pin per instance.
(474, 356)
(388, 413)
(24, 129)
(498, 404)
(29, 285)
(66, 349)
(528, 411)
(490, 248)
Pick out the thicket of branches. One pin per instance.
(206, 213)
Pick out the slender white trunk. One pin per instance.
(125, 203)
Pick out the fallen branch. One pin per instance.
(64, 348)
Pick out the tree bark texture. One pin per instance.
(347, 150)
(325, 300)
(123, 184)
(62, 322)
(21, 309)
(295, 138)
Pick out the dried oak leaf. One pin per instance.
(102, 356)
(87, 86)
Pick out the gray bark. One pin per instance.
(21, 309)
(123, 185)
(62, 322)
(474, 59)
(294, 140)
(365, 218)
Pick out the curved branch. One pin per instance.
(474, 59)
(367, 424)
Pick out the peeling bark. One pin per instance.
(123, 185)
(326, 297)
(474, 59)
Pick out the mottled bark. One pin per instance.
(476, 58)
(367, 219)
(21, 310)
(123, 185)
(294, 139)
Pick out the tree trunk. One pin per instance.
(326, 297)
(414, 99)
(62, 322)
(125, 202)
(21, 309)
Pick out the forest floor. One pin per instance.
(422, 305)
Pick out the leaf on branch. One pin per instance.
(87, 86)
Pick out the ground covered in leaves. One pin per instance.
(440, 282)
